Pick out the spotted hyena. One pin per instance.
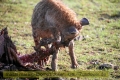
(55, 22)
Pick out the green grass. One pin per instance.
(102, 36)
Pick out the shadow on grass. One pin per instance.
(116, 15)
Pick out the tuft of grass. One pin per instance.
(116, 43)
(114, 1)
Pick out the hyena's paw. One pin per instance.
(37, 48)
(75, 66)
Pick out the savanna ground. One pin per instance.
(101, 39)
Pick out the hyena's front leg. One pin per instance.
(72, 55)
(54, 60)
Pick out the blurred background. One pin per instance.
(97, 45)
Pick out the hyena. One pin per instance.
(52, 20)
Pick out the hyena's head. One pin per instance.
(71, 32)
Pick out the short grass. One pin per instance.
(101, 38)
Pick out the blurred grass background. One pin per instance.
(101, 39)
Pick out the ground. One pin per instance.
(101, 39)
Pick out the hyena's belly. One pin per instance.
(44, 33)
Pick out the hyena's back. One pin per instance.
(52, 13)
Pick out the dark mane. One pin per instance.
(9, 53)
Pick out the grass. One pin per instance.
(102, 36)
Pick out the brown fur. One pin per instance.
(59, 15)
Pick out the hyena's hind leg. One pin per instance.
(36, 38)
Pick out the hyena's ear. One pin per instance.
(84, 21)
